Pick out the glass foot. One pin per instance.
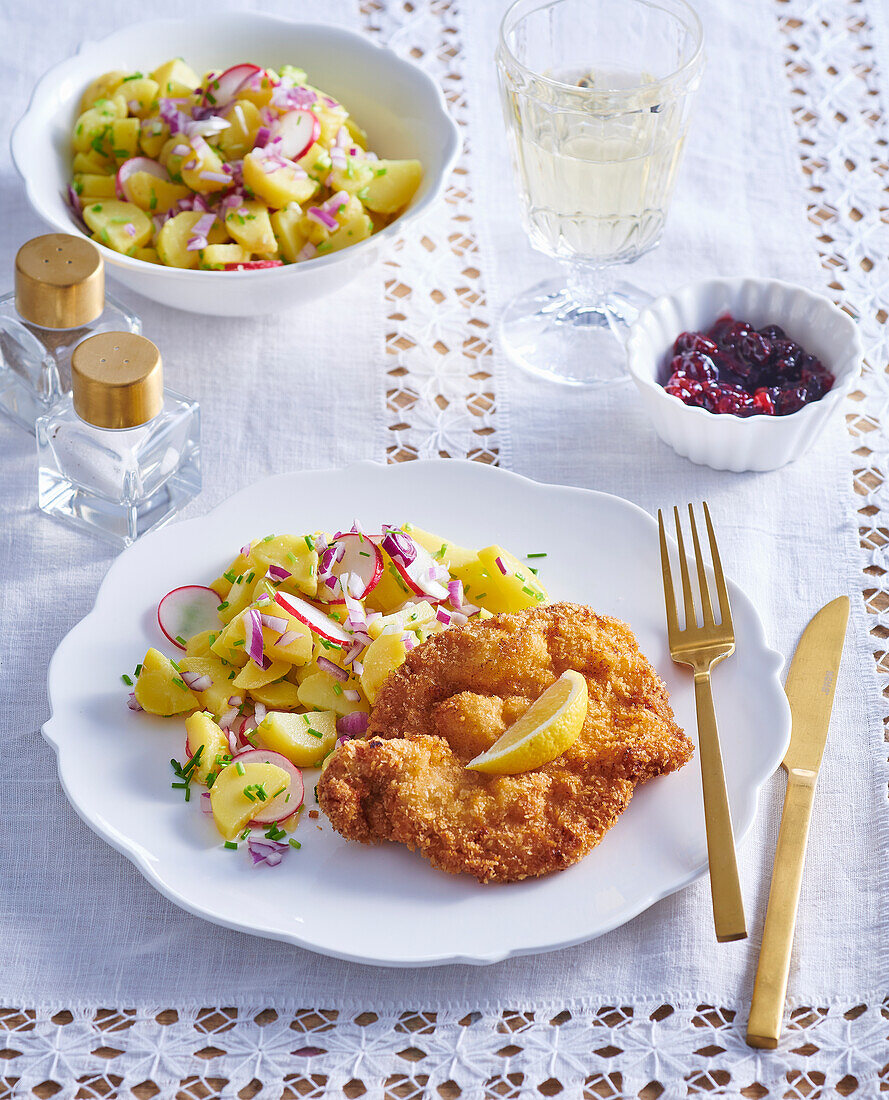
(555, 333)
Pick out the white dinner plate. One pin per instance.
(384, 904)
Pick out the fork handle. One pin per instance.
(725, 888)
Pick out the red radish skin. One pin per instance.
(314, 619)
(434, 591)
(133, 165)
(278, 809)
(252, 265)
(369, 569)
(298, 131)
(225, 87)
(187, 611)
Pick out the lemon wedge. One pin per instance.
(547, 728)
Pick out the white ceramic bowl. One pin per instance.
(401, 108)
(728, 442)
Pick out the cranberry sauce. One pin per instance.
(735, 368)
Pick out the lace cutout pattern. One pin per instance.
(441, 402)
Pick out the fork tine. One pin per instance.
(725, 608)
(702, 576)
(669, 595)
(691, 619)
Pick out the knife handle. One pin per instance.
(770, 988)
(725, 887)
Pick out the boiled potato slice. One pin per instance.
(102, 87)
(294, 554)
(215, 698)
(154, 135)
(517, 587)
(249, 225)
(477, 585)
(230, 644)
(149, 255)
(160, 689)
(325, 692)
(91, 129)
(172, 247)
(202, 170)
(354, 227)
(175, 79)
(380, 659)
(125, 138)
(332, 120)
(356, 175)
(410, 618)
(286, 227)
(232, 807)
(260, 96)
(393, 185)
(244, 122)
(214, 258)
(120, 225)
(198, 645)
(305, 739)
(316, 161)
(141, 94)
(153, 194)
(276, 188)
(94, 163)
(173, 161)
(448, 553)
(206, 741)
(281, 696)
(252, 676)
(94, 185)
(358, 136)
(390, 591)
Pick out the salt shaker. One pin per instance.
(119, 455)
(59, 300)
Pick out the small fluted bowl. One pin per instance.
(722, 440)
(400, 106)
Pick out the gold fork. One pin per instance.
(701, 647)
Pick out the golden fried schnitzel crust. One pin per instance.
(454, 696)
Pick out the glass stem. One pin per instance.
(588, 285)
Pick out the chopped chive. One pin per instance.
(180, 639)
(175, 665)
(230, 576)
(536, 572)
(212, 638)
(268, 538)
(364, 554)
(241, 642)
(291, 557)
(528, 591)
(337, 689)
(179, 786)
(314, 733)
(222, 606)
(180, 683)
(309, 541)
(480, 596)
(245, 833)
(126, 679)
(232, 674)
(535, 555)
(294, 843)
(249, 794)
(239, 767)
(187, 792)
(250, 577)
(138, 671)
(231, 844)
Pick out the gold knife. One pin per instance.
(810, 687)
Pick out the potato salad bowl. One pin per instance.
(398, 104)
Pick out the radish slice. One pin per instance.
(280, 808)
(351, 555)
(133, 165)
(187, 611)
(252, 265)
(314, 619)
(297, 131)
(417, 567)
(223, 88)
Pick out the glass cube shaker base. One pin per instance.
(19, 402)
(549, 332)
(118, 523)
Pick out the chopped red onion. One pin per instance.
(214, 177)
(202, 683)
(307, 252)
(132, 702)
(274, 622)
(352, 695)
(409, 642)
(233, 745)
(235, 701)
(455, 591)
(226, 720)
(270, 852)
(500, 565)
(333, 669)
(262, 136)
(443, 616)
(259, 712)
(459, 619)
(253, 629)
(180, 150)
(399, 545)
(286, 638)
(206, 806)
(245, 550)
(357, 667)
(322, 217)
(352, 725)
(278, 573)
(130, 229)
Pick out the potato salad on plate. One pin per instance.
(241, 169)
(284, 654)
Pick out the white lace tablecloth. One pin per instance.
(98, 998)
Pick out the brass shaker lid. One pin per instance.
(59, 281)
(117, 379)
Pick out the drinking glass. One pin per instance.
(597, 97)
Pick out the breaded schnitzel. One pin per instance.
(454, 696)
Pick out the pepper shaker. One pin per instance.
(119, 455)
(59, 300)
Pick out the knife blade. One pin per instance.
(810, 687)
